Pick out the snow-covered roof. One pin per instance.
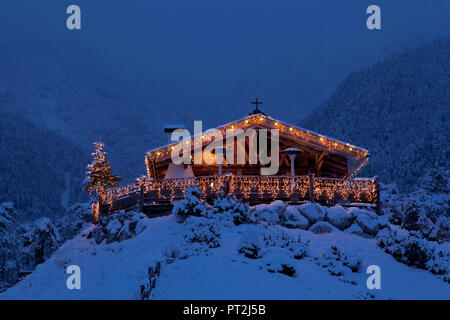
(317, 140)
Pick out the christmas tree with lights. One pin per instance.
(99, 174)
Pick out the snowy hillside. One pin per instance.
(399, 109)
(231, 251)
(41, 171)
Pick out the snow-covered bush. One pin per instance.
(173, 252)
(9, 245)
(391, 203)
(409, 248)
(275, 236)
(439, 264)
(339, 263)
(441, 231)
(339, 217)
(40, 242)
(415, 218)
(191, 205)
(202, 231)
(250, 245)
(421, 209)
(118, 227)
(279, 260)
(435, 180)
(77, 218)
(228, 207)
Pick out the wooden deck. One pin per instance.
(158, 195)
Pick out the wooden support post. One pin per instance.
(294, 195)
(311, 186)
(227, 184)
(95, 212)
(103, 208)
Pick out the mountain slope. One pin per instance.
(58, 88)
(41, 171)
(117, 270)
(399, 109)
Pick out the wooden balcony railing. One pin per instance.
(253, 189)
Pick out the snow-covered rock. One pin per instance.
(355, 229)
(370, 223)
(313, 212)
(7, 205)
(293, 219)
(339, 217)
(118, 227)
(322, 227)
(271, 212)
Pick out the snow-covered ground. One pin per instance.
(118, 269)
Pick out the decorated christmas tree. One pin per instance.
(99, 174)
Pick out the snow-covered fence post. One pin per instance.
(311, 186)
(153, 274)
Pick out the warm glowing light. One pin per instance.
(290, 128)
(276, 123)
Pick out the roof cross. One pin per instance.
(256, 111)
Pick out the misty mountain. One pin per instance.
(399, 109)
(40, 170)
(59, 88)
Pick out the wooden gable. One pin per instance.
(323, 156)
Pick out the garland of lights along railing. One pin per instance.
(328, 188)
(324, 188)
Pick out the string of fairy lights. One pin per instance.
(246, 187)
